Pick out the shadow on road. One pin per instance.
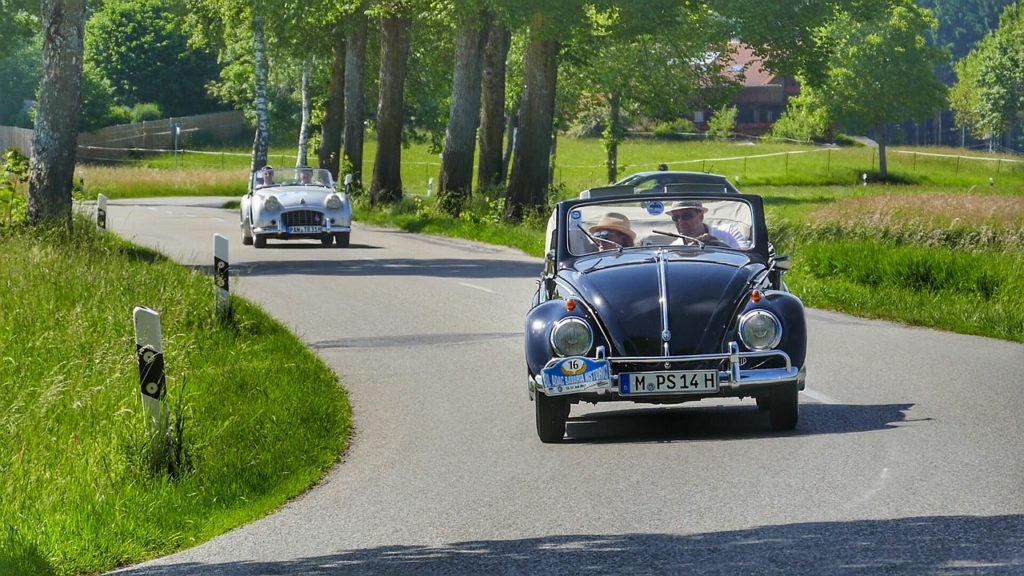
(641, 424)
(953, 545)
(442, 267)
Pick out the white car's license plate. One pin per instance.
(576, 374)
(305, 230)
(677, 382)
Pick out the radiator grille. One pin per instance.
(302, 218)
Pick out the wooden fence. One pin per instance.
(116, 142)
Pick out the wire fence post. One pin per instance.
(828, 164)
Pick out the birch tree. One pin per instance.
(55, 137)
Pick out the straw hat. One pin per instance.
(686, 205)
(614, 221)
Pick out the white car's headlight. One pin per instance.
(571, 337)
(272, 203)
(760, 330)
(333, 202)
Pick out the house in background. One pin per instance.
(761, 100)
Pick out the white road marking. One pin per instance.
(819, 397)
(474, 286)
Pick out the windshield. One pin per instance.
(677, 222)
(292, 177)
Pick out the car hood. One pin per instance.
(296, 196)
(704, 291)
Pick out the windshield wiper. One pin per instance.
(683, 236)
(597, 241)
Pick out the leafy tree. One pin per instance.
(355, 87)
(989, 94)
(19, 19)
(490, 169)
(723, 123)
(805, 118)
(55, 138)
(962, 24)
(19, 78)
(882, 69)
(140, 46)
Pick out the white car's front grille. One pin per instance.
(302, 218)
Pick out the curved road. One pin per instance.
(909, 456)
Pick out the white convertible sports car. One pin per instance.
(294, 203)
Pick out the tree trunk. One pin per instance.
(883, 172)
(355, 67)
(455, 181)
(261, 144)
(329, 153)
(512, 134)
(301, 158)
(492, 116)
(55, 138)
(386, 187)
(528, 184)
(612, 136)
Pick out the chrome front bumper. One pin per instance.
(735, 381)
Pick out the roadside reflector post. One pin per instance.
(101, 212)
(430, 186)
(149, 348)
(221, 270)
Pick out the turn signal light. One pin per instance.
(755, 296)
(570, 304)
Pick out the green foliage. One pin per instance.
(19, 78)
(99, 107)
(674, 128)
(18, 21)
(14, 168)
(873, 62)
(723, 123)
(140, 47)
(989, 94)
(145, 111)
(804, 120)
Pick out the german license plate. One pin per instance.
(677, 382)
(305, 230)
(576, 374)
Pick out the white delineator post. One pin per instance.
(149, 347)
(221, 270)
(101, 212)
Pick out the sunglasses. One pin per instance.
(609, 235)
(684, 216)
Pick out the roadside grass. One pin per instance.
(78, 494)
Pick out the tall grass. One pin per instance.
(77, 493)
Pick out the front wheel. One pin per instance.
(552, 412)
(326, 240)
(341, 239)
(260, 241)
(784, 410)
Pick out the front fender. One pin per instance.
(539, 322)
(790, 311)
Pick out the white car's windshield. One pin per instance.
(681, 221)
(292, 177)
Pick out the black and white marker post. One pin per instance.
(221, 270)
(149, 347)
(101, 212)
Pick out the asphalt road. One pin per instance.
(909, 456)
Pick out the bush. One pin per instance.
(677, 127)
(723, 123)
(146, 111)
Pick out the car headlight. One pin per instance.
(272, 203)
(333, 202)
(571, 337)
(760, 330)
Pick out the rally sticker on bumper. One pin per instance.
(576, 374)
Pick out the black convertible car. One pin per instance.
(662, 297)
